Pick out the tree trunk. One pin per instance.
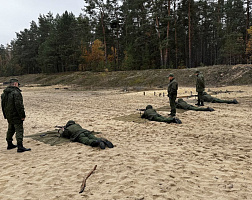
(189, 34)
(175, 36)
(247, 24)
(160, 46)
(104, 36)
(167, 34)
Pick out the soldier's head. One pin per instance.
(197, 72)
(170, 76)
(180, 100)
(14, 82)
(148, 107)
(69, 123)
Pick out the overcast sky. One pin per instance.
(16, 15)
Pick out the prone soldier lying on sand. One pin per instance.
(208, 98)
(184, 105)
(76, 133)
(152, 115)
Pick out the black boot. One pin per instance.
(94, 143)
(11, 146)
(202, 103)
(21, 148)
(198, 104)
(177, 120)
(102, 144)
(210, 109)
(97, 143)
(235, 101)
(107, 143)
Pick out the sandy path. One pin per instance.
(207, 157)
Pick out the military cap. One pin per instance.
(14, 80)
(69, 123)
(180, 100)
(197, 72)
(170, 75)
(148, 107)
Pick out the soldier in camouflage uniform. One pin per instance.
(172, 93)
(76, 133)
(200, 87)
(184, 105)
(208, 98)
(152, 115)
(13, 111)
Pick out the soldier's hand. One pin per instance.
(22, 119)
(60, 131)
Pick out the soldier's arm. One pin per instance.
(2, 104)
(65, 133)
(19, 104)
(202, 82)
(178, 105)
(174, 88)
(143, 115)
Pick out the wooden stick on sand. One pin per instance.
(83, 185)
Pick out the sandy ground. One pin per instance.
(207, 157)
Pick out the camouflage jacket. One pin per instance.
(172, 88)
(149, 114)
(207, 98)
(200, 83)
(182, 104)
(12, 105)
(73, 131)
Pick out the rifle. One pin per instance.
(187, 96)
(60, 126)
(6, 83)
(141, 109)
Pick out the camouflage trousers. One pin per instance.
(197, 108)
(86, 138)
(216, 100)
(172, 100)
(15, 128)
(200, 98)
(163, 119)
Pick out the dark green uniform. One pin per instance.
(172, 94)
(13, 111)
(184, 105)
(76, 133)
(208, 98)
(152, 115)
(200, 87)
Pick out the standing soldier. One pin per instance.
(172, 93)
(200, 87)
(13, 111)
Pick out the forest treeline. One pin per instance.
(117, 35)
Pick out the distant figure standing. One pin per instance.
(13, 111)
(200, 87)
(172, 93)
